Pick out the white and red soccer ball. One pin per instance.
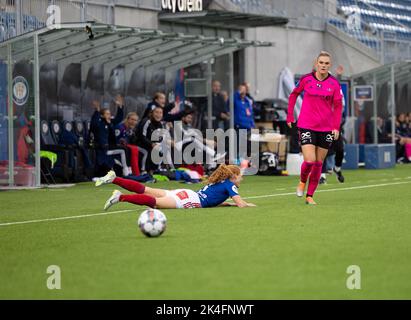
(152, 222)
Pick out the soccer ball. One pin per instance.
(152, 222)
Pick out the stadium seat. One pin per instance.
(70, 140)
(80, 131)
(48, 143)
(387, 17)
(55, 129)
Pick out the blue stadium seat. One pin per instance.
(388, 17)
(49, 143)
(8, 25)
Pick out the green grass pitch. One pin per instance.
(282, 249)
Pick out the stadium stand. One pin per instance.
(380, 20)
(8, 24)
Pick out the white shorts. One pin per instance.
(185, 198)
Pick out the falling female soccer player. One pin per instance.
(222, 184)
(318, 122)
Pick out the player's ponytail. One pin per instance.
(224, 172)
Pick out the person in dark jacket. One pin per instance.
(403, 139)
(220, 112)
(175, 112)
(171, 111)
(145, 139)
(103, 126)
(159, 100)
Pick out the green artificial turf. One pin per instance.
(282, 249)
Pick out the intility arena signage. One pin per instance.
(182, 5)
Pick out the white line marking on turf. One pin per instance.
(63, 218)
(329, 190)
(252, 197)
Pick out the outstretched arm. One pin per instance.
(241, 203)
(227, 204)
(120, 110)
(96, 115)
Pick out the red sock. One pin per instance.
(306, 168)
(130, 185)
(134, 159)
(314, 178)
(139, 199)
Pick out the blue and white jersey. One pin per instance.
(123, 133)
(214, 194)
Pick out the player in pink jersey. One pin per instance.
(319, 120)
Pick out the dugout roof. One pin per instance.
(225, 19)
(116, 45)
(401, 70)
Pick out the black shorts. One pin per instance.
(320, 139)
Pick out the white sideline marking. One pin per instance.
(329, 190)
(252, 197)
(63, 218)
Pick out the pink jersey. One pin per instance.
(322, 103)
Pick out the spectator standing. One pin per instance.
(226, 98)
(248, 93)
(220, 113)
(243, 115)
(102, 126)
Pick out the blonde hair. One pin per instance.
(323, 54)
(129, 115)
(224, 172)
(158, 94)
